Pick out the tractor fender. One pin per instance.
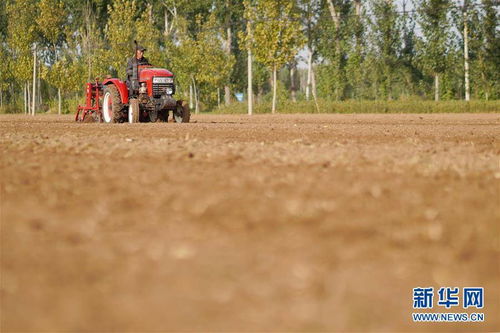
(121, 86)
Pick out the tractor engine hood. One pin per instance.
(147, 74)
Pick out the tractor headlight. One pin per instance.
(163, 80)
(169, 91)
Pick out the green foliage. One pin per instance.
(372, 107)
(228, 14)
(65, 74)
(22, 28)
(435, 30)
(89, 39)
(356, 56)
(149, 37)
(487, 66)
(3, 21)
(276, 35)
(120, 34)
(51, 21)
(282, 94)
(21, 36)
(333, 46)
(201, 61)
(214, 64)
(386, 36)
(5, 73)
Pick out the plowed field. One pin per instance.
(236, 223)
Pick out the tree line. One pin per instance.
(294, 49)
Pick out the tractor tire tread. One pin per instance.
(186, 113)
(117, 105)
(134, 103)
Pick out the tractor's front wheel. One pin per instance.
(111, 104)
(182, 114)
(133, 111)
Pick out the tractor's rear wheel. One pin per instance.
(111, 105)
(182, 114)
(133, 111)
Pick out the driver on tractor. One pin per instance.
(139, 59)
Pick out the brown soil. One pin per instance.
(287, 222)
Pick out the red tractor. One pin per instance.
(147, 97)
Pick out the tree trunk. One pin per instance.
(436, 87)
(275, 83)
(165, 27)
(28, 92)
(334, 14)
(33, 106)
(389, 86)
(466, 55)
(169, 25)
(227, 89)
(89, 68)
(359, 37)
(250, 98)
(293, 87)
(191, 105)
(1, 97)
(250, 83)
(218, 98)
(59, 99)
(311, 80)
(196, 101)
(39, 84)
(87, 37)
(227, 95)
(357, 6)
(309, 74)
(25, 95)
(336, 22)
(313, 84)
(12, 95)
